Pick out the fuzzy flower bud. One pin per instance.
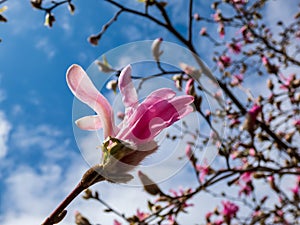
(156, 52)
(80, 219)
(104, 66)
(49, 20)
(112, 85)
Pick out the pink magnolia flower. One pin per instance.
(203, 171)
(208, 215)
(296, 189)
(252, 152)
(189, 87)
(141, 215)
(217, 16)
(188, 151)
(235, 48)
(239, 1)
(246, 177)
(287, 81)
(116, 222)
(237, 80)
(196, 16)
(297, 123)
(142, 122)
(218, 222)
(221, 30)
(270, 67)
(229, 209)
(245, 189)
(224, 61)
(251, 117)
(203, 31)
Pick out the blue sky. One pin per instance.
(40, 161)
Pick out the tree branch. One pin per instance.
(190, 26)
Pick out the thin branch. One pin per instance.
(55, 216)
(2, 1)
(111, 209)
(108, 24)
(190, 26)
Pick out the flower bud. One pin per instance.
(203, 31)
(104, 66)
(93, 40)
(36, 3)
(71, 8)
(87, 194)
(178, 81)
(81, 220)
(112, 85)
(196, 17)
(190, 88)
(156, 52)
(270, 84)
(49, 20)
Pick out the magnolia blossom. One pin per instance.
(235, 48)
(203, 172)
(156, 52)
(142, 121)
(189, 87)
(116, 222)
(141, 215)
(237, 79)
(229, 209)
(203, 31)
(221, 30)
(224, 61)
(251, 116)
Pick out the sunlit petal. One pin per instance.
(83, 88)
(89, 123)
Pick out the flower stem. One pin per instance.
(58, 214)
(90, 177)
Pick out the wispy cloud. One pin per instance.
(42, 136)
(5, 128)
(46, 47)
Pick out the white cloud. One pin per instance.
(2, 95)
(16, 110)
(42, 136)
(46, 47)
(5, 128)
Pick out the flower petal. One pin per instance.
(89, 123)
(154, 118)
(83, 88)
(127, 89)
(155, 96)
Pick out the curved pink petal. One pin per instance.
(127, 89)
(155, 96)
(153, 119)
(89, 123)
(182, 105)
(83, 88)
